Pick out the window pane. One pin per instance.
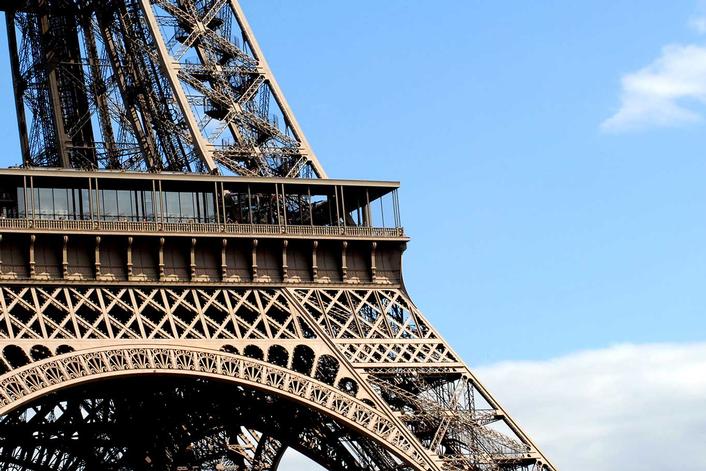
(110, 204)
(210, 208)
(148, 208)
(188, 210)
(85, 205)
(74, 203)
(61, 203)
(124, 204)
(138, 213)
(21, 208)
(45, 203)
(171, 203)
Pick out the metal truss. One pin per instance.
(365, 357)
(120, 424)
(197, 373)
(77, 367)
(159, 85)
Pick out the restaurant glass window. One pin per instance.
(172, 212)
(109, 204)
(126, 205)
(147, 206)
(187, 206)
(54, 203)
(238, 208)
(21, 205)
(8, 204)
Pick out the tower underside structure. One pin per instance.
(183, 288)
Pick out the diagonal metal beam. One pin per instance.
(277, 91)
(170, 69)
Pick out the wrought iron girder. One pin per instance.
(433, 396)
(186, 427)
(369, 382)
(133, 99)
(200, 36)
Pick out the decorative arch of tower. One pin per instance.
(181, 285)
(279, 390)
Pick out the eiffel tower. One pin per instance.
(181, 285)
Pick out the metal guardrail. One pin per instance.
(70, 225)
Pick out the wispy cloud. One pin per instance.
(698, 24)
(626, 407)
(671, 91)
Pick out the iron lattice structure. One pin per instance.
(228, 304)
(160, 85)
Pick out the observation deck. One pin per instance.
(118, 226)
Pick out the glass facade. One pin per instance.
(114, 205)
(275, 204)
(187, 206)
(126, 205)
(53, 203)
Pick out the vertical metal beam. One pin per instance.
(144, 136)
(51, 63)
(19, 88)
(169, 67)
(99, 88)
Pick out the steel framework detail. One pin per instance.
(229, 304)
(159, 85)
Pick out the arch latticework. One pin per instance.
(49, 378)
(197, 322)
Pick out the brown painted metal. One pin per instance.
(275, 316)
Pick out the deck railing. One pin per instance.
(70, 225)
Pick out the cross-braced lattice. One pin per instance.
(175, 321)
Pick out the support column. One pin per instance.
(65, 258)
(285, 267)
(97, 258)
(254, 260)
(19, 88)
(314, 263)
(344, 260)
(224, 260)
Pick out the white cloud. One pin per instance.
(627, 407)
(622, 408)
(670, 91)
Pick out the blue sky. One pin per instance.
(535, 231)
(551, 155)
